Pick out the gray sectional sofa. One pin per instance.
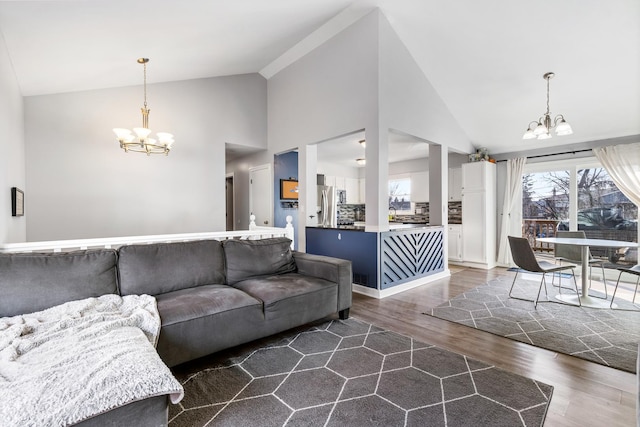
(211, 295)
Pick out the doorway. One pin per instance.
(229, 203)
(261, 195)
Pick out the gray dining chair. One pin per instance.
(635, 270)
(573, 254)
(525, 259)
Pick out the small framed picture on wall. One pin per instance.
(17, 202)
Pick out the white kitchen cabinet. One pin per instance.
(479, 214)
(341, 183)
(362, 191)
(353, 190)
(455, 242)
(475, 175)
(420, 186)
(330, 181)
(455, 184)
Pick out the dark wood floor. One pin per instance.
(585, 393)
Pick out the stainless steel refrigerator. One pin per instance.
(327, 204)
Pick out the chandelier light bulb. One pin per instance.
(540, 130)
(563, 128)
(165, 138)
(121, 133)
(142, 133)
(529, 133)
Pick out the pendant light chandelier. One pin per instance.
(541, 128)
(140, 142)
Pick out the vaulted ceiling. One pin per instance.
(484, 58)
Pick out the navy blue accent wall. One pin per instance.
(360, 247)
(285, 166)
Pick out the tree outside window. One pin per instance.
(400, 194)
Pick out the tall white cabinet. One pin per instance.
(479, 214)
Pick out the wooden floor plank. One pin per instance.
(585, 394)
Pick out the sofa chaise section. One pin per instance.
(32, 282)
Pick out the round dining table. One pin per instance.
(584, 244)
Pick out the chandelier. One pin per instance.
(540, 129)
(140, 142)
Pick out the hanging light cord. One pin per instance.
(548, 113)
(145, 87)
(145, 110)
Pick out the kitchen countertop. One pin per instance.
(358, 227)
(339, 227)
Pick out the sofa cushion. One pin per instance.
(291, 294)
(203, 320)
(187, 304)
(37, 281)
(252, 258)
(164, 267)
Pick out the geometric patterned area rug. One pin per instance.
(605, 336)
(351, 373)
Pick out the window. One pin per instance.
(578, 195)
(400, 194)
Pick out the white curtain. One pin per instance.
(622, 162)
(511, 216)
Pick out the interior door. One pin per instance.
(261, 195)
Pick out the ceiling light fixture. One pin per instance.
(363, 143)
(140, 142)
(540, 129)
(361, 162)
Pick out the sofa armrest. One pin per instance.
(332, 269)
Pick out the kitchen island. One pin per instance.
(387, 262)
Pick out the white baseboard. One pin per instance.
(379, 294)
(482, 266)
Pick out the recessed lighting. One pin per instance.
(361, 161)
(363, 143)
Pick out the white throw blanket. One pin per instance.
(73, 361)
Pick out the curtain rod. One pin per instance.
(553, 154)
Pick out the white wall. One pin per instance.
(327, 93)
(457, 160)
(332, 169)
(408, 101)
(12, 162)
(408, 166)
(82, 185)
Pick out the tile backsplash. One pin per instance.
(455, 212)
(351, 213)
(356, 212)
